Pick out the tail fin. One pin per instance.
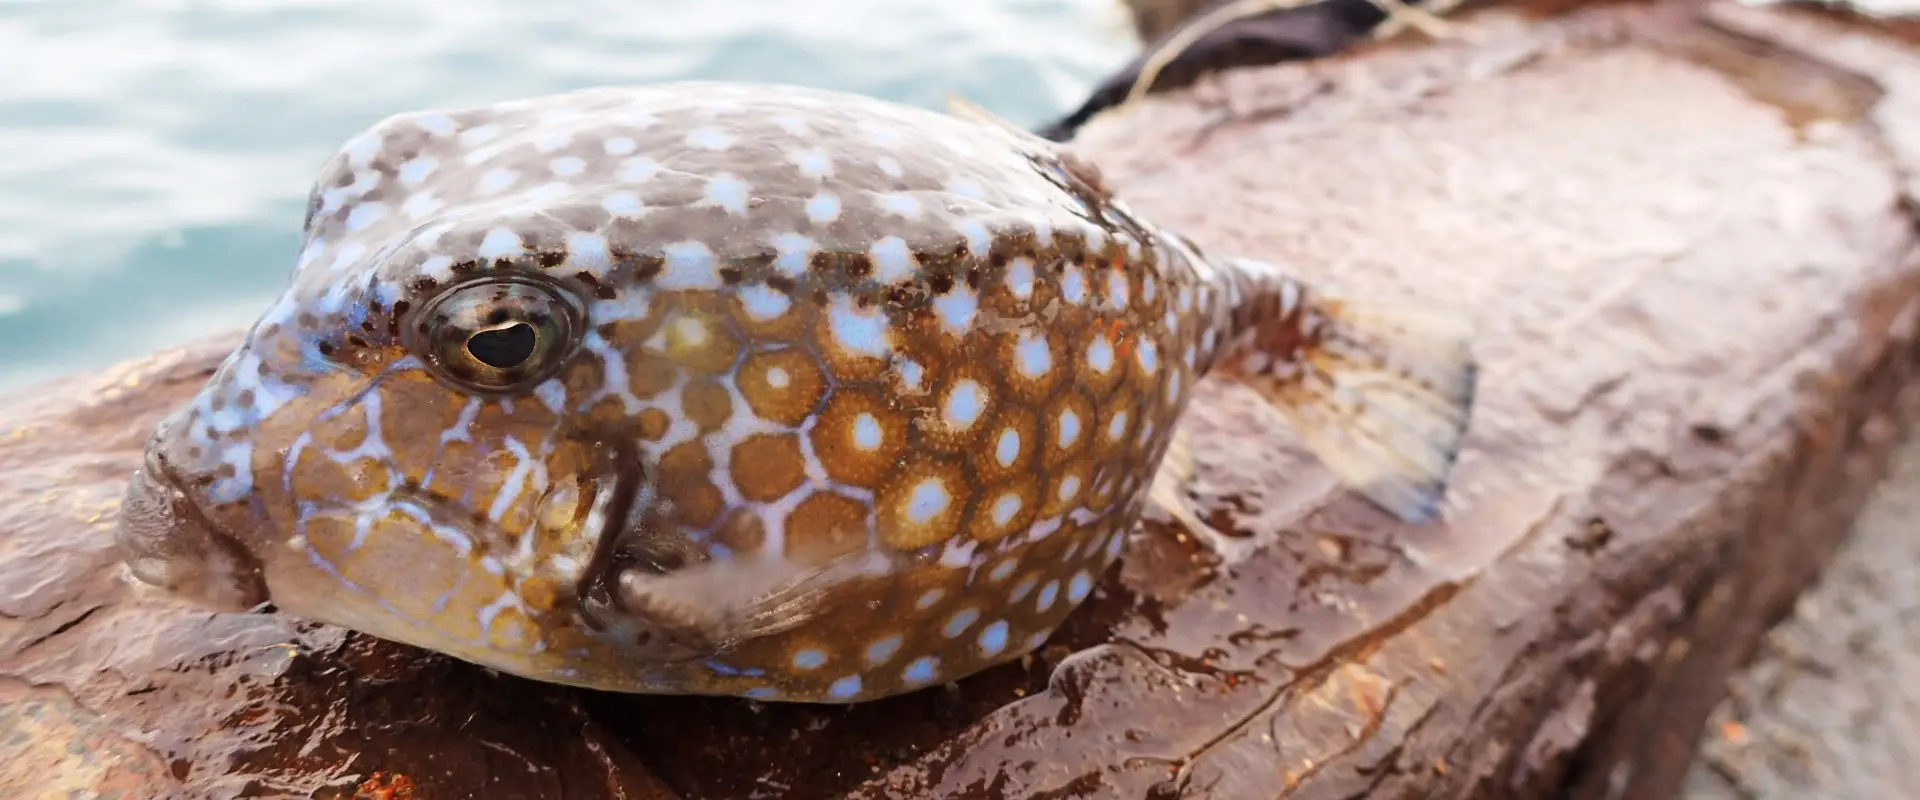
(1383, 397)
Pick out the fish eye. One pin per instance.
(499, 335)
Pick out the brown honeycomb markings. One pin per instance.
(825, 526)
(858, 438)
(685, 481)
(767, 466)
(700, 340)
(783, 386)
(707, 404)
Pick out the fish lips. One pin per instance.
(167, 540)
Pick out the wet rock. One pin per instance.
(1688, 233)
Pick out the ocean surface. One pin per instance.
(155, 155)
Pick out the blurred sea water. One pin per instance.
(155, 155)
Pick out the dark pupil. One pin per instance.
(503, 348)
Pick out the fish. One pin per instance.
(744, 389)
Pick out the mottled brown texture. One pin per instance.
(1700, 307)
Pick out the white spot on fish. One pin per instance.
(813, 163)
(957, 309)
(728, 192)
(1100, 354)
(1148, 355)
(823, 208)
(1047, 594)
(763, 303)
(1020, 278)
(961, 621)
(1008, 448)
(892, 262)
(965, 403)
(417, 170)
(434, 122)
(552, 394)
(912, 375)
(473, 137)
(439, 268)
(361, 149)
(567, 166)
(845, 688)
(589, 251)
(1079, 587)
(1073, 286)
(890, 166)
(866, 432)
(639, 169)
(622, 204)
(421, 204)
(794, 250)
(923, 670)
(929, 498)
(993, 638)
(689, 265)
(619, 146)
(1003, 570)
(630, 304)
(1069, 428)
(501, 243)
(1031, 355)
(1004, 508)
(883, 649)
(857, 330)
(979, 242)
(496, 181)
(904, 205)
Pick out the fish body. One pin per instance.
(739, 389)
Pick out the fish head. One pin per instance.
(453, 428)
(397, 457)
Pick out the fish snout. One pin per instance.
(168, 541)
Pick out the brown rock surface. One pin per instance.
(1831, 706)
(1694, 258)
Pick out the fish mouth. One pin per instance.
(635, 543)
(167, 540)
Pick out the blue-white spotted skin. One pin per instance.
(744, 390)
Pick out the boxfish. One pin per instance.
(745, 390)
